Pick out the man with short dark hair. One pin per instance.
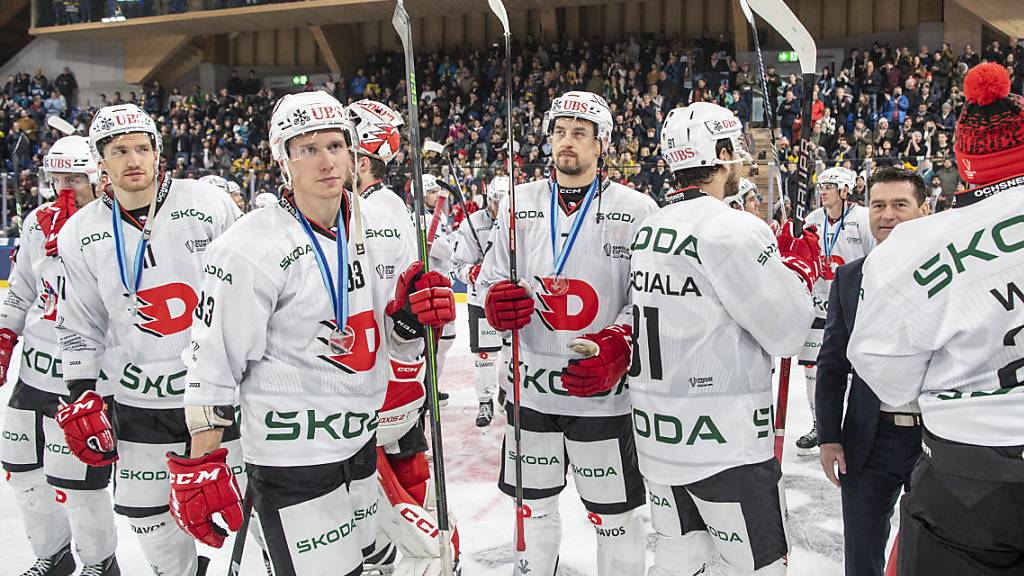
(876, 446)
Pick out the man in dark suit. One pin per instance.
(876, 446)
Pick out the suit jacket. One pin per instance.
(857, 431)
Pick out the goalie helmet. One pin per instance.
(297, 114)
(215, 180)
(378, 129)
(839, 176)
(70, 154)
(497, 189)
(582, 106)
(120, 119)
(690, 136)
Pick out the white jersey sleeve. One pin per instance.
(82, 315)
(23, 290)
(467, 252)
(940, 320)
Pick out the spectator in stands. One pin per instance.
(787, 113)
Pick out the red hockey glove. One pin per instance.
(609, 353)
(87, 429)
(801, 255)
(508, 306)
(52, 218)
(421, 299)
(8, 340)
(474, 273)
(200, 488)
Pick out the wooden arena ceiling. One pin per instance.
(285, 15)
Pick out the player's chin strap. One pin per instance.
(969, 197)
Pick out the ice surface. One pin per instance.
(485, 516)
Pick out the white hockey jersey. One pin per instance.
(598, 287)
(266, 335)
(189, 215)
(843, 241)
(390, 202)
(441, 247)
(30, 310)
(712, 303)
(467, 253)
(941, 320)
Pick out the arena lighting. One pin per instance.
(113, 19)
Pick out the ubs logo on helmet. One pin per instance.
(57, 164)
(724, 125)
(681, 154)
(326, 112)
(130, 118)
(574, 105)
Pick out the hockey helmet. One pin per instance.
(70, 154)
(215, 180)
(430, 183)
(378, 129)
(265, 199)
(233, 187)
(839, 177)
(497, 189)
(690, 136)
(582, 106)
(297, 114)
(112, 121)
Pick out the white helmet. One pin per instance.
(70, 154)
(690, 135)
(265, 199)
(582, 106)
(430, 183)
(839, 176)
(378, 129)
(746, 187)
(296, 114)
(233, 187)
(215, 180)
(497, 189)
(121, 119)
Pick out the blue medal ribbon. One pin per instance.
(560, 256)
(338, 304)
(829, 246)
(122, 256)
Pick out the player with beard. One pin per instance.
(715, 296)
(132, 266)
(573, 233)
(30, 309)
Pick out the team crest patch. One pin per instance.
(197, 245)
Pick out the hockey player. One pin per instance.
(402, 468)
(940, 322)
(301, 326)
(30, 309)
(845, 237)
(572, 255)
(440, 245)
(701, 380)
(746, 199)
(472, 241)
(132, 264)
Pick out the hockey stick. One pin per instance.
(499, 10)
(782, 19)
(235, 566)
(458, 191)
(16, 164)
(402, 25)
(61, 125)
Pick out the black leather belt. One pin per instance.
(901, 419)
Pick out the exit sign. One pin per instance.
(300, 80)
(788, 57)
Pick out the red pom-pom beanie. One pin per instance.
(989, 141)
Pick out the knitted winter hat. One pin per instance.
(990, 131)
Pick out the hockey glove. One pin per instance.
(8, 340)
(421, 299)
(200, 488)
(508, 306)
(474, 273)
(608, 355)
(87, 429)
(801, 255)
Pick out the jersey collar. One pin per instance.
(684, 194)
(968, 197)
(161, 196)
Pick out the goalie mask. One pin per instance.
(298, 114)
(113, 121)
(70, 154)
(582, 106)
(377, 127)
(690, 136)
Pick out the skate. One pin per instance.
(485, 415)
(60, 564)
(807, 444)
(107, 567)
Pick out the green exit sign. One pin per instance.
(300, 80)
(788, 57)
